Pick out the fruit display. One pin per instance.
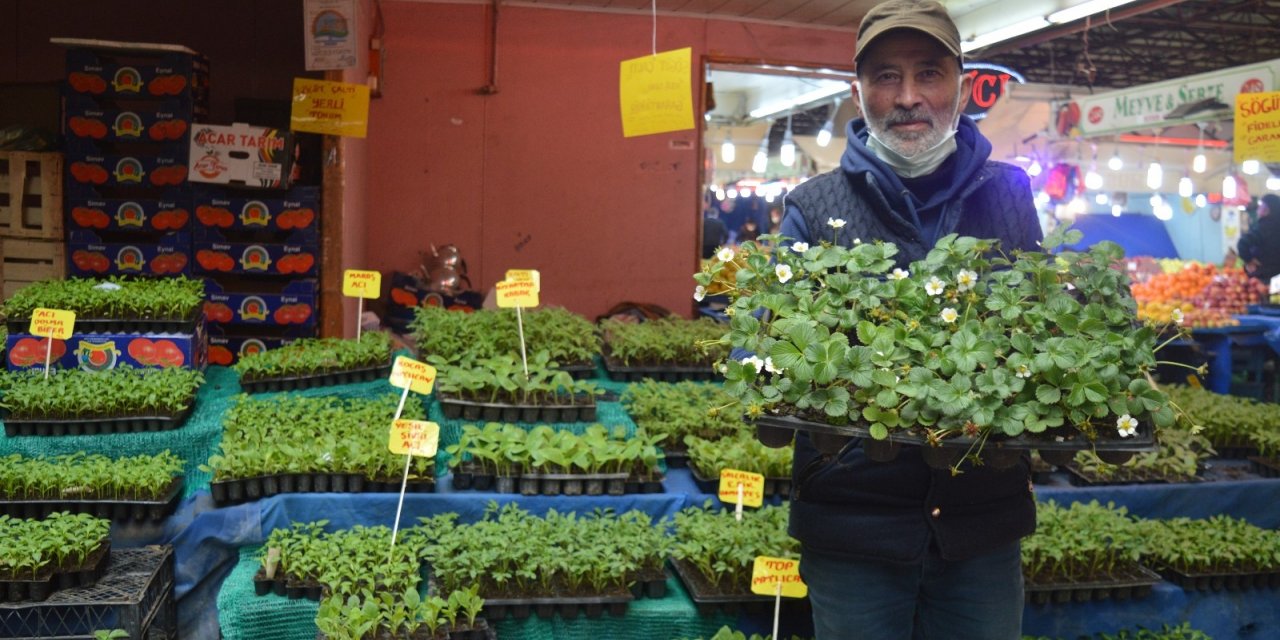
(1204, 295)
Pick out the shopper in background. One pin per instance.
(714, 232)
(1260, 247)
(748, 231)
(775, 219)
(898, 550)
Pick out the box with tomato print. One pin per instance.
(86, 122)
(259, 258)
(294, 304)
(87, 212)
(98, 351)
(106, 69)
(226, 350)
(297, 210)
(130, 172)
(88, 255)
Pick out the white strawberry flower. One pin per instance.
(857, 241)
(699, 292)
(1177, 316)
(835, 223)
(725, 254)
(966, 279)
(899, 274)
(1126, 426)
(800, 247)
(949, 315)
(1023, 371)
(934, 286)
(768, 366)
(755, 362)
(783, 272)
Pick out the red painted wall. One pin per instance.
(538, 174)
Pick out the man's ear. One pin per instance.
(966, 91)
(857, 99)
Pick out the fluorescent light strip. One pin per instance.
(1004, 33)
(802, 99)
(1071, 14)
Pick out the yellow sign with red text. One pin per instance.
(525, 275)
(414, 437)
(516, 293)
(752, 487)
(52, 323)
(331, 108)
(418, 377)
(1257, 127)
(767, 572)
(361, 284)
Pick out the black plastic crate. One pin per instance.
(135, 594)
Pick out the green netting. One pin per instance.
(245, 616)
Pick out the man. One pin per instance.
(1260, 247)
(897, 550)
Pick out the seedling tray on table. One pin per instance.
(229, 492)
(567, 607)
(1265, 467)
(1082, 478)
(1219, 581)
(122, 325)
(321, 379)
(773, 487)
(1126, 583)
(39, 589)
(556, 484)
(710, 602)
(662, 372)
(92, 426)
(999, 452)
(457, 408)
(118, 510)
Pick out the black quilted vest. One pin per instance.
(847, 504)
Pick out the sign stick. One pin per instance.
(395, 526)
(359, 316)
(48, 357)
(737, 510)
(523, 357)
(777, 606)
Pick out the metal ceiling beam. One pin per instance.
(1045, 35)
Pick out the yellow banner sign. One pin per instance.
(52, 323)
(525, 275)
(418, 377)
(752, 487)
(1257, 135)
(414, 437)
(361, 284)
(331, 108)
(513, 293)
(768, 572)
(656, 94)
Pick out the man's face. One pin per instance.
(910, 90)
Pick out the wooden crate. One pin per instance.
(31, 195)
(23, 261)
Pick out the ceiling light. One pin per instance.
(824, 136)
(1077, 206)
(727, 151)
(1116, 209)
(1155, 175)
(1035, 168)
(1251, 167)
(1115, 163)
(761, 161)
(1185, 188)
(1042, 198)
(719, 193)
(1273, 183)
(745, 193)
(822, 93)
(1004, 33)
(1229, 187)
(1201, 200)
(1093, 180)
(1101, 199)
(1071, 14)
(732, 193)
(788, 151)
(1164, 211)
(1198, 163)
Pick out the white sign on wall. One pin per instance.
(329, 34)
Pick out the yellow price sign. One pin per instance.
(52, 323)
(418, 377)
(768, 572)
(525, 275)
(655, 93)
(331, 108)
(414, 437)
(514, 293)
(752, 487)
(361, 284)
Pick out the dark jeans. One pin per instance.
(975, 599)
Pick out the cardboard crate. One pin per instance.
(23, 261)
(31, 195)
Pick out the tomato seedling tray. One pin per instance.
(557, 484)
(92, 426)
(664, 373)
(324, 379)
(118, 510)
(39, 589)
(185, 325)
(457, 408)
(239, 490)
(1127, 583)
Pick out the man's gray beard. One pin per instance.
(891, 139)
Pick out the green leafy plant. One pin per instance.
(727, 633)
(114, 298)
(466, 338)
(969, 341)
(1178, 459)
(502, 380)
(1217, 545)
(81, 476)
(327, 434)
(35, 549)
(1228, 421)
(722, 550)
(110, 634)
(508, 450)
(679, 409)
(670, 341)
(317, 355)
(1083, 542)
(120, 392)
(743, 453)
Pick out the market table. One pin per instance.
(1217, 343)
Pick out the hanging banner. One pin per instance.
(1257, 135)
(989, 84)
(329, 34)
(331, 108)
(656, 93)
(1205, 96)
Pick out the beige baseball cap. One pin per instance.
(927, 16)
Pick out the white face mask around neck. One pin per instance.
(922, 163)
